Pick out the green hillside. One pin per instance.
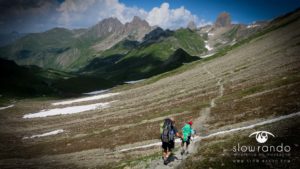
(32, 81)
(57, 48)
(160, 51)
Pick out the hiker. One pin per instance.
(187, 133)
(168, 132)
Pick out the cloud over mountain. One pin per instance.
(170, 18)
(163, 16)
(42, 15)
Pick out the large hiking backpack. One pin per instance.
(167, 132)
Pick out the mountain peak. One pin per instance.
(110, 20)
(223, 20)
(191, 25)
(137, 21)
(105, 27)
(137, 28)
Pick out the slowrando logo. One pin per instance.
(262, 137)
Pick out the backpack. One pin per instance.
(167, 132)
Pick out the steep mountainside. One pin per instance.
(160, 51)
(65, 49)
(32, 81)
(223, 33)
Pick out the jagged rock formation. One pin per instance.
(114, 31)
(105, 27)
(137, 28)
(223, 20)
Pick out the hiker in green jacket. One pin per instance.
(187, 132)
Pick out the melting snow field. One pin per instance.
(3, 108)
(96, 92)
(205, 56)
(67, 110)
(46, 134)
(252, 26)
(96, 97)
(208, 47)
(134, 81)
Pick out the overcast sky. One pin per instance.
(40, 15)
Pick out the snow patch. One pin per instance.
(208, 47)
(96, 97)
(252, 26)
(134, 81)
(3, 108)
(68, 110)
(210, 34)
(208, 55)
(96, 92)
(46, 134)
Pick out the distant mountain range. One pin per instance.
(71, 50)
(111, 52)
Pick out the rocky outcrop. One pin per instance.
(137, 28)
(223, 20)
(113, 31)
(155, 35)
(106, 27)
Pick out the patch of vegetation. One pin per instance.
(133, 162)
(252, 90)
(217, 44)
(120, 48)
(190, 41)
(144, 64)
(232, 33)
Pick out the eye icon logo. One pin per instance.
(261, 136)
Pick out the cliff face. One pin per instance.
(223, 20)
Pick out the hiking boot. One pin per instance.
(182, 152)
(166, 161)
(187, 152)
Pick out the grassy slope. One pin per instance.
(129, 61)
(190, 41)
(50, 49)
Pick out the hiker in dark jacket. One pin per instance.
(168, 133)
